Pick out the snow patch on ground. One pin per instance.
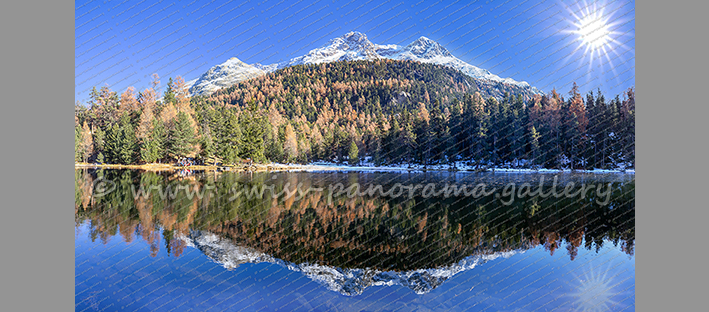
(367, 165)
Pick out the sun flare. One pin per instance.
(593, 31)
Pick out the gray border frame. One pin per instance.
(38, 260)
(670, 75)
(37, 222)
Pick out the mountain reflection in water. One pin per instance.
(350, 243)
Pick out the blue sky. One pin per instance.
(122, 43)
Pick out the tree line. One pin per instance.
(384, 112)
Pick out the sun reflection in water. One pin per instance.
(596, 291)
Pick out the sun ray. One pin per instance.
(595, 291)
(595, 25)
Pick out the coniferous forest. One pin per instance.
(383, 112)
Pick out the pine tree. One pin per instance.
(578, 123)
(534, 143)
(392, 149)
(275, 147)
(151, 147)
(99, 137)
(99, 158)
(439, 133)
(628, 130)
(253, 130)
(602, 130)
(77, 143)
(229, 145)
(492, 106)
(378, 158)
(121, 142)
(169, 96)
(207, 143)
(128, 142)
(407, 138)
(181, 138)
(353, 153)
(479, 118)
(551, 105)
(158, 139)
(456, 129)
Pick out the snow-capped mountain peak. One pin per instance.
(349, 47)
(224, 75)
(355, 46)
(353, 40)
(427, 49)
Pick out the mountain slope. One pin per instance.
(224, 75)
(344, 87)
(355, 46)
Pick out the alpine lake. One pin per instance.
(353, 241)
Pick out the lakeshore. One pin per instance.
(277, 167)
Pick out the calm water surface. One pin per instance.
(204, 242)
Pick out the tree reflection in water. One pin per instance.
(393, 234)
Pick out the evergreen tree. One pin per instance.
(98, 138)
(231, 139)
(439, 133)
(577, 126)
(129, 144)
(169, 96)
(151, 149)
(628, 128)
(181, 142)
(378, 157)
(455, 128)
(534, 142)
(113, 143)
(158, 139)
(353, 153)
(391, 142)
(407, 138)
(77, 143)
(121, 142)
(207, 143)
(99, 158)
(253, 130)
(479, 118)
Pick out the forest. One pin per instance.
(383, 112)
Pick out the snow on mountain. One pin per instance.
(350, 47)
(191, 83)
(428, 51)
(224, 75)
(348, 282)
(355, 46)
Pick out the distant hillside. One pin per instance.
(364, 87)
(355, 46)
(381, 112)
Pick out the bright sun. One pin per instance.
(593, 31)
(595, 28)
